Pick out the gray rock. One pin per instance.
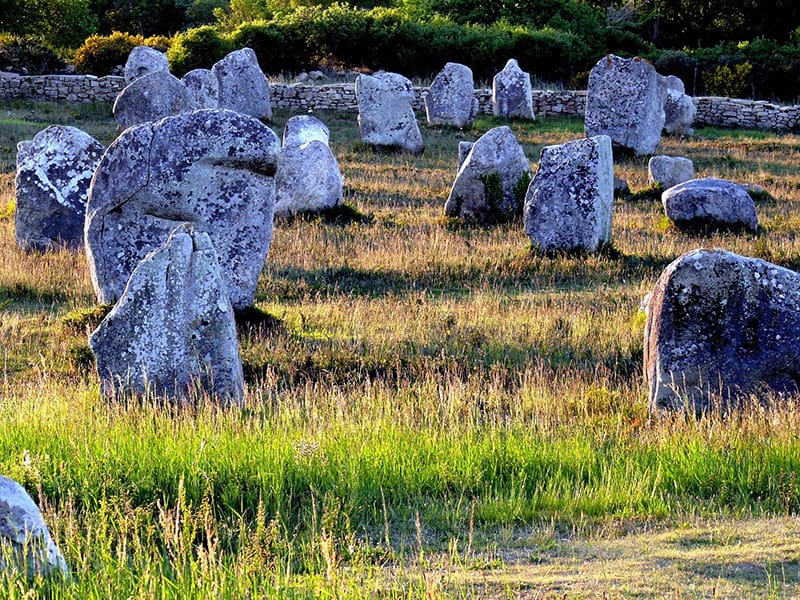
(512, 97)
(142, 61)
(301, 129)
(316, 75)
(719, 327)
(213, 168)
(625, 101)
(308, 179)
(709, 203)
(172, 333)
(52, 187)
(464, 149)
(621, 186)
(151, 98)
(451, 97)
(668, 171)
(25, 540)
(385, 112)
(569, 202)
(490, 184)
(679, 109)
(203, 87)
(243, 87)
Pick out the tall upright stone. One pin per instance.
(512, 96)
(150, 98)
(144, 60)
(451, 97)
(385, 112)
(679, 108)
(308, 179)
(243, 87)
(203, 86)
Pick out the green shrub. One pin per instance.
(278, 48)
(99, 54)
(198, 48)
(27, 55)
(733, 82)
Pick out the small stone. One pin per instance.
(668, 171)
(709, 203)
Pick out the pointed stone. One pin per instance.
(243, 87)
(512, 96)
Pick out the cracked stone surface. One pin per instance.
(451, 98)
(385, 112)
(212, 168)
(150, 98)
(142, 61)
(512, 97)
(243, 87)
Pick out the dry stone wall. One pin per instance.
(711, 110)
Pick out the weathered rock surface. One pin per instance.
(213, 168)
(511, 93)
(25, 535)
(625, 101)
(668, 171)
(569, 203)
(172, 333)
(301, 129)
(710, 203)
(203, 86)
(308, 179)
(679, 109)
(451, 98)
(464, 149)
(719, 327)
(142, 61)
(385, 112)
(150, 98)
(490, 184)
(243, 87)
(52, 186)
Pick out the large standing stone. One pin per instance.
(490, 184)
(569, 202)
(25, 541)
(242, 85)
(52, 185)
(150, 98)
(721, 326)
(451, 97)
(203, 86)
(301, 129)
(679, 108)
(308, 179)
(710, 203)
(212, 168)
(172, 332)
(512, 97)
(385, 112)
(144, 60)
(668, 171)
(625, 101)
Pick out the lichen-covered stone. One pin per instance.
(142, 61)
(213, 168)
(668, 171)
(511, 93)
(52, 186)
(490, 184)
(172, 333)
(385, 113)
(710, 203)
(451, 100)
(25, 541)
(569, 203)
(679, 109)
(464, 149)
(625, 101)
(150, 98)
(301, 129)
(720, 327)
(308, 179)
(243, 87)
(203, 86)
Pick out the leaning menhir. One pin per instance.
(451, 97)
(242, 85)
(512, 97)
(213, 168)
(721, 327)
(385, 112)
(52, 186)
(150, 98)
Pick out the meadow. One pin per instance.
(433, 410)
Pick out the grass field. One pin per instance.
(433, 410)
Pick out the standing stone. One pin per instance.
(668, 171)
(625, 101)
(385, 112)
(679, 109)
(203, 86)
(25, 541)
(451, 98)
(243, 87)
(512, 97)
(301, 129)
(710, 203)
(569, 203)
(720, 327)
(144, 60)
(151, 98)
(172, 332)
(213, 168)
(490, 184)
(464, 149)
(308, 179)
(52, 185)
